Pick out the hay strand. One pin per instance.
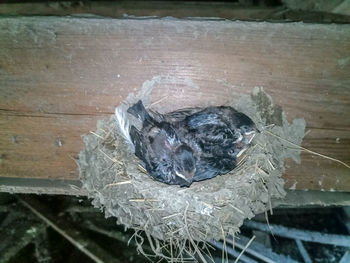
(244, 249)
(307, 150)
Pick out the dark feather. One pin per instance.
(217, 134)
(158, 146)
(139, 111)
(206, 141)
(136, 139)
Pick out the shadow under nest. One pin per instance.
(174, 219)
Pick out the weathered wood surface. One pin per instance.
(58, 76)
(120, 9)
(177, 9)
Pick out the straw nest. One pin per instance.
(175, 219)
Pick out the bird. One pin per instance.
(165, 157)
(190, 144)
(219, 135)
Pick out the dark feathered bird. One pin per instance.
(165, 156)
(190, 144)
(217, 135)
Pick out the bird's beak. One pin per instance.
(249, 136)
(187, 176)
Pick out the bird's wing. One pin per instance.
(139, 143)
(208, 168)
(181, 114)
(174, 116)
(148, 150)
(213, 126)
(201, 118)
(205, 170)
(214, 134)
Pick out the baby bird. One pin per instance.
(166, 158)
(219, 136)
(191, 144)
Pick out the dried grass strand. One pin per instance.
(307, 150)
(190, 237)
(244, 249)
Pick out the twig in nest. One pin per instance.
(154, 209)
(244, 249)
(142, 169)
(224, 250)
(108, 133)
(118, 183)
(158, 101)
(139, 245)
(268, 224)
(262, 171)
(206, 245)
(75, 188)
(155, 247)
(170, 216)
(103, 130)
(143, 200)
(110, 158)
(176, 231)
(270, 205)
(270, 163)
(307, 150)
(96, 135)
(240, 211)
(190, 237)
(171, 250)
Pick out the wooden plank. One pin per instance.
(59, 75)
(122, 9)
(41, 186)
(178, 9)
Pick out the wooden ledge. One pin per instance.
(59, 75)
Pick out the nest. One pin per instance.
(175, 219)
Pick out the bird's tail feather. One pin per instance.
(137, 142)
(139, 111)
(123, 124)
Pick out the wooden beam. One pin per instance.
(41, 186)
(177, 9)
(122, 9)
(58, 76)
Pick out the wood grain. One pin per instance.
(122, 9)
(58, 76)
(177, 9)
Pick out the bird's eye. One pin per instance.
(246, 128)
(232, 151)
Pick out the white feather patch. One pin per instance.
(123, 124)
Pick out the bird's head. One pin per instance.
(246, 131)
(247, 128)
(184, 163)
